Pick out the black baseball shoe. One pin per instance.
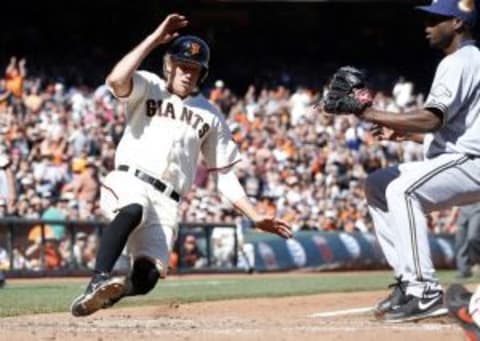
(397, 297)
(102, 292)
(457, 300)
(417, 308)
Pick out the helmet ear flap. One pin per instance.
(167, 66)
(203, 76)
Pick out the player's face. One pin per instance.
(184, 77)
(439, 31)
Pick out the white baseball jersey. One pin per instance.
(164, 133)
(456, 93)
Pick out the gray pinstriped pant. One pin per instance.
(399, 198)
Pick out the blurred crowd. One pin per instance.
(306, 168)
(58, 142)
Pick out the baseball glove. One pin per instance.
(347, 93)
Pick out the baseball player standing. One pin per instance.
(168, 124)
(400, 197)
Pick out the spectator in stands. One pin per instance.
(15, 74)
(190, 254)
(4, 96)
(79, 250)
(8, 191)
(85, 184)
(4, 259)
(56, 211)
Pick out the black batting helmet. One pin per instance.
(191, 49)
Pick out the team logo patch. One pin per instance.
(194, 48)
(466, 5)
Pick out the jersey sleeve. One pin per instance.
(219, 150)
(140, 83)
(446, 93)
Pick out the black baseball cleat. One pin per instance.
(457, 300)
(417, 308)
(396, 298)
(102, 292)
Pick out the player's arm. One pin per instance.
(120, 78)
(22, 68)
(12, 191)
(230, 187)
(417, 121)
(348, 94)
(443, 102)
(11, 65)
(221, 153)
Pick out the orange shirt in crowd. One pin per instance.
(14, 83)
(53, 259)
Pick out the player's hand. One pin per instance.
(276, 226)
(384, 133)
(168, 28)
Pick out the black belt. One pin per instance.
(157, 184)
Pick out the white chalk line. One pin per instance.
(354, 311)
(430, 327)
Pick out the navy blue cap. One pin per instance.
(463, 9)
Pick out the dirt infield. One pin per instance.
(246, 319)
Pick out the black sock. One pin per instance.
(115, 236)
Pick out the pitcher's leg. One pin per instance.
(411, 196)
(375, 188)
(386, 238)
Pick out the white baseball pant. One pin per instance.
(400, 197)
(153, 238)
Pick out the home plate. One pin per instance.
(343, 312)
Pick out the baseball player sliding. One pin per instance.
(400, 197)
(168, 124)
